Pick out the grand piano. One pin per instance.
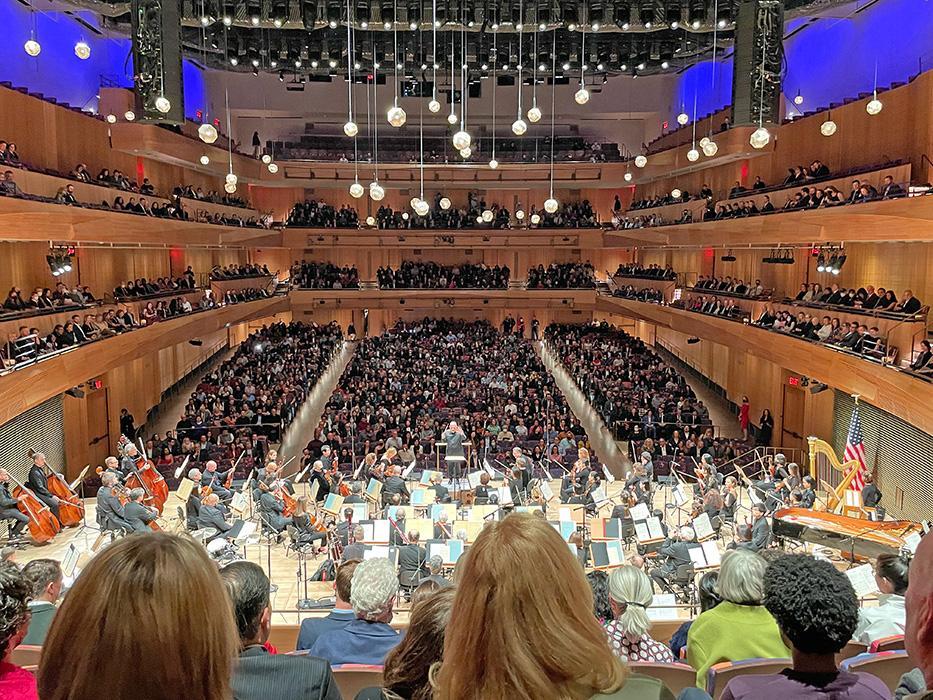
(866, 539)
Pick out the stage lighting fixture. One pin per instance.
(821, 263)
(82, 50)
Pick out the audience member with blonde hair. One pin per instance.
(15, 683)
(407, 667)
(740, 627)
(630, 595)
(506, 640)
(148, 618)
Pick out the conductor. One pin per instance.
(454, 455)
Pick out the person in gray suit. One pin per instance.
(110, 513)
(454, 437)
(136, 513)
(260, 675)
(212, 516)
(761, 529)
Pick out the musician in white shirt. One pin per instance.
(888, 618)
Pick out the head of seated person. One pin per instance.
(138, 590)
(15, 592)
(816, 610)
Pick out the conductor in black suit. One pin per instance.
(412, 561)
(454, 437)
(137, 514)
(260, 675)
(38, 481)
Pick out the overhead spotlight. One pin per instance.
(828, 128)
(273, 63)
(466, 152)
(332, 24)
(874, 106)
(396, 116)
(837, 266)
(693, 155)
(254, 20)
(370, 221)
(227, 20)
(519, 127)
(422, 207)
(205, 20)
(357, 65)
(675, 24)
(205, 160)
(351, 129)
(572, 27)
(695, 24)
(82, 50)
(519, 214)
(722, 24)
(234, 60)
(332, 63)
(798, 99)
(648, 25)
(665, 65)
(683, 118)
(535, 219)
(710, 148)
(229, 188)
(566, 66)
(451, 118)
(582, 96)
(387, 25)
(434, 106)
(163, 104)
(595, 26)
(693, 341)
(111, 118)
(641, 66)
(479, 219)
(364, 24)
(493, 163)
(129, 115)
(542, 27)
(627, 177)
(405, 216)
(821, 263)
(376, 191)
(625, 26)
(487, 215)
(462, 140)
(230, 178)
(675, 193)
(534, 115)
(818, 387)
(600, 66)
(551, 205)
(413, 25)
(277, 22)
(255, 63)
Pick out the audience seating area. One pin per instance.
(561, 276)
(430, 275)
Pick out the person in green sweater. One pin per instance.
(740, 627)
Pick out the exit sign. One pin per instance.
(793, 381)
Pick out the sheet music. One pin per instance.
(185, 487)
(505, 496)
(376, 552)
(360, 511)
(615, 553)
(862, 579)
(489, 470)
(381, 531)
(473, 479)
(654, 528)
(599, 496)
(639, 512)
(697, 556)
(608, 474)
(564, 514)
(680, 498)
(419, 497)
(702, 527)
(711, 552)
(454, 550)
(246, 530)
(239, 502)
(315, 488)
(427, 475)
(663, 607)
(70, 561)
(545, 489)
(912, 541)
(641, 531)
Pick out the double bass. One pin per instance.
(70, 507)
(146, 477)
(43, 526)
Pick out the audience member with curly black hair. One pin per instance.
(816, 610)
(15, 593)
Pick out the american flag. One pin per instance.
(855, 449)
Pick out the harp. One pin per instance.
(833, 475)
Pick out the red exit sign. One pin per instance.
(793, 381)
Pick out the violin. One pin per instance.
(43, 526)
(123, 493)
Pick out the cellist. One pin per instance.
(8, 507)
(38, 481)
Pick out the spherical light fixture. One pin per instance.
(675, 193)
(82, 50)
(230, 178)
(520, 214)
(396, 116)
(376, 192)
(370, 221)
(405, 216)
(760, 138)
(230, 187)
(129, 115)
(462, 140)
(163, 104)
(703, 141)
(582, 96)
(356, 190)
(519, 127)
(266, 158)
(627, 177)
(445, 203)
(535, 219)
(205, 160)
(710, 149)
(351, 129)
(550, 205)
(798, 99)
(488, 216)
(466, 152)
(693, 155)
(422, 208)
(640, 161)
(273, 168)
(683, 118)
(479, 219)
(874, 106)
(434, 106)
(32, 48)
(828, 128)
(534, 115)
(111, 118)
(451, 118)
(207, 133)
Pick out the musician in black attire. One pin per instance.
(807, 495)
(110, 513)
(356, 491)
(482, 492)
(674, 553)
(8, 507)
(730, 499)
(412, 562)
(38, 482)
(193, 506)
(136, 513)
(271, 510)
(216, 480)
(317, 475)
(128, 463)
(211, 516)
(442, 528)
(524, 465)
(871, 495)
(761, 529)
(394, 484)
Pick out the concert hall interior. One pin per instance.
(466, 350)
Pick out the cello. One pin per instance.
(146, 477)
(70, 507)
(123, 493)
(43, 526)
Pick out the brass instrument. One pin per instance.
(826, 468)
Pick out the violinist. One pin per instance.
(216, 480)
(38, 482)
(193, 506)
(442, 529)
(306, 529)
(110, 512)
(580, 471)
(317, 475)
(211, 516)
(441, 492)
(388, 459)
(482, 492)
(713, 503)
(730, 499)
(136, 513)
(523, 464)
(642, 473)
(327, 458)
(9, 509)
(271, 509)
(367, 469)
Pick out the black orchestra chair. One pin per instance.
(682, 584)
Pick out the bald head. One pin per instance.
(918, 634)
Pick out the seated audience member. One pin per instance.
(15, 683)
(499, 646)
(630, 595)
(924, 357)
(888, 617)
(408, 666)
(368, 638)
(161, 621)
(918, 632)
(909, 304)
(338, 618)
(45, 578)
(816, 610)
(259, 674)
(599, 586)
(740, 627)
(709, 599)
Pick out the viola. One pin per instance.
(43, 526)
(123, 493)
(70, 507)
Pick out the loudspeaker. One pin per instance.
(757, 62)
(157, 76)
